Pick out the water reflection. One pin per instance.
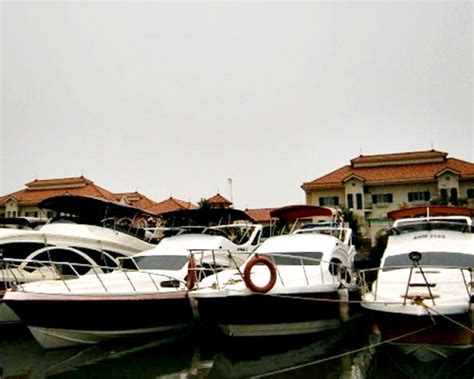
(345, 353)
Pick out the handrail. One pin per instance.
(15, 277)
(365, 287)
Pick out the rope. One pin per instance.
(244, 291)
(449, 319)
(372, 346)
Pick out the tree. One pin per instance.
(355, 225)
(204, 204)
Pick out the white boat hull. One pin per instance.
(51, 338)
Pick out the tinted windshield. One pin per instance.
(297, 258)
(161, 262)
(456, 226)
(432, 259)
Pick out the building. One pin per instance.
(24, 203)
(373, 185)
(219, 201)
(170, 205)
(136, 199)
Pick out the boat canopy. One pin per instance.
(212, 216)
(91, 208)
(292, 213)
(429, 211)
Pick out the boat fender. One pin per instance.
(191, 277)
(256, 259)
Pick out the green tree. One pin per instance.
(204, 204)
(354, 223)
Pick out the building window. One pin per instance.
(359, 200)
(382, 198)
(350, 201)
(454, 195)
(444, 195)
(470, 193)
(419, 196)
(329, 200)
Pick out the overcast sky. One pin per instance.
(176, 98)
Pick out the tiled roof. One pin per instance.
(384, 159)
(170, 205)
(400, 173)
(42, 189)
(218, 199)
(41, 183)
(260, 215)
(136, 199)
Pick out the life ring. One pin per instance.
(191, 278)
(247, 276)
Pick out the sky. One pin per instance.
(176, 98)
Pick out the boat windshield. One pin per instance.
(439, 259)
(410, 227)
(297, 258)
(161, 262)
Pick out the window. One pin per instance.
(297, 258)
(359, 201)
(454, 195)
(444, 196)
(161, 262)
(470, 193)
(350, 201)
(432, 259)
(329, 200)
(419, 196)
(382, 198)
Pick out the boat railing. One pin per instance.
(15, 272)
(369, 282)
(341, 233)
(331, 272)
(313, 270)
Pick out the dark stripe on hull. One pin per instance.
(268, 309)
(440, 330)
(103, 315)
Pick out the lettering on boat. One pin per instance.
(442, 236)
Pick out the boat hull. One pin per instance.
(258, 315)
(412, 332)
(57, 321)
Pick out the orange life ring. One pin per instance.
(247, 277)
(191, 278)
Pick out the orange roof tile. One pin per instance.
(170, 205)
(136, 199)
(219, 199)
(430, 155)
(260, 214)
(400, 173)
(42, 189)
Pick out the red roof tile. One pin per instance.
(261, 214)
(42, 189)
(170, 205)
(430, 155)
(136, 199)
(400, 173)
(219, 199)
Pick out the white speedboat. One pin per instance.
(85, 230)
(148, 295)
(293, 284)
(422, 295)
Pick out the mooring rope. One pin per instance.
(371, 346)
(449, 318)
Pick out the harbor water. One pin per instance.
(348, 352)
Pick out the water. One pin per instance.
(344, 353)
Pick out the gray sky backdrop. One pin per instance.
(175, 98)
